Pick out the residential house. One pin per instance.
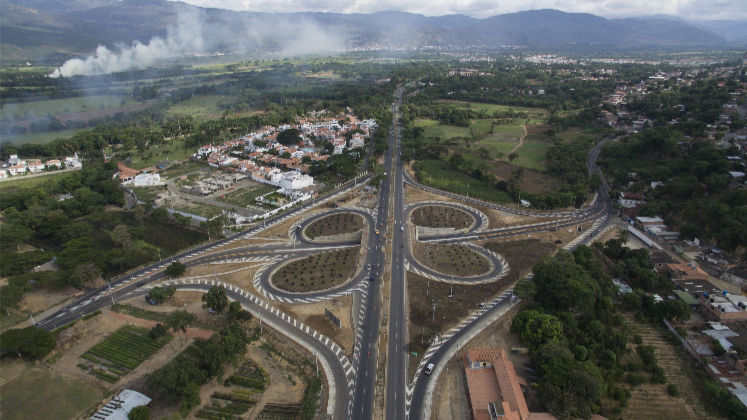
(124, 173)
(36, 167)
(54, 162)
(628, 199)
(685, 272)
(206, 150)
(147, 180)
(17, 170)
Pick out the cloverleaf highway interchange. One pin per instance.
(387, 241)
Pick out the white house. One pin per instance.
(356, 141)
(206, 150)
(147, 180)
(13, 160)
(54, 162)
(295, 181)
(35, 167)
(629, 200)
(16, 170)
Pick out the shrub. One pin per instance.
(673, 390)
(681, 331)
(635, 379)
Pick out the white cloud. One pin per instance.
(687, 9)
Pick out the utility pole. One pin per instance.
(451, 284)
(434, 311)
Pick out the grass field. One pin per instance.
(441, 217)
(317, 272)
(173, 151)
(446, 132)
(335, 224)
(37, 393)
(148, 194)
(438, 174)
(531, 155)
(536, 115)
(27, 181)
(201, 106)
(41, 138)
(199, 209)
(61, 106)
(183, 168)
(247, 196)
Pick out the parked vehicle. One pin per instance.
(213, 311)
(482, 305)
(149, 300)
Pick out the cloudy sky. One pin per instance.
(687, 9)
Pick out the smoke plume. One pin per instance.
(186, 36)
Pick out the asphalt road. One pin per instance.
(599, 209)
(396, 381)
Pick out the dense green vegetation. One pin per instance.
(695, 198)
(579, 340)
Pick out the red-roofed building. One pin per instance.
(124, 173)
(494, 391)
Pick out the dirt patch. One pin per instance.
(454, 260)
(313, 315)
(335, 224)
(317, 272)
(531, 181)
(40, 300)
(415, 195)
(537, 128)
(441, 217)
(521, 255)
(423, 293)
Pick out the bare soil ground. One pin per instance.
(652, 400)
(42, 299)
(335, 224)
(415, 195)
(312, 314)
(537, 128)
(423, 293)
(454, 260)
(521, 255)
(450, 397)
(317, 272)
(441, 217)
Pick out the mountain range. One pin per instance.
(47, 30)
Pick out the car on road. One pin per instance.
(429, 368)
(513, 298)
(402, 228)
(368, 267)
(482, 305)
(377, 231)
(372, 278)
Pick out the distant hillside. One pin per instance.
(78, 26)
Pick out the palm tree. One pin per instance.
(623, 235)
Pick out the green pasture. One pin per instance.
(61, 106)
(438, 174)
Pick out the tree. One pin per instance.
(30, 342)
(674, 310)
(541, 329)
(122, 237)
(623, 235)
(632, 301)
(215, 299)
(175, 269)
(456, 160)
(236, 312)
(483, 152)
(141, 412)
(190, 399)
(179, 321)
(563, 285)
(595, 181)
(575, 399)
(160, 294)
(288, 137)
(525, 289)
(160, 214)
(84, 273)
(512, 157)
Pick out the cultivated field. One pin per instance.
(441, 217)
(335, 224)
(454, 260)
(317, 272)
(246, 196)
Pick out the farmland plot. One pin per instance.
(121, 352)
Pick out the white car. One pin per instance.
(429, 368)
(402, 228)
